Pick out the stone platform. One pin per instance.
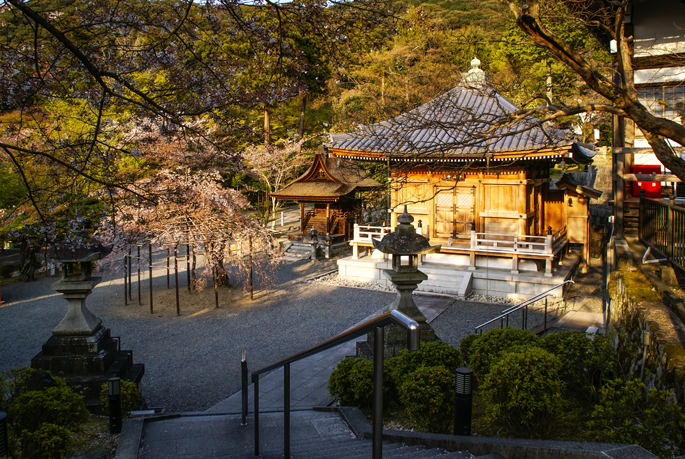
(450, 274)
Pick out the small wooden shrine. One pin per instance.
(333, 186)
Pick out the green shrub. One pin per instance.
(42, 412)
(430, 354)
(523, 392)
(487, 348)
(130, 396)
(585, 365)
(351, 383)
(428, 396)
(465, 348)
(627, 413)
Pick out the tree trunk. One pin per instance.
(267, 126)
(303, 108)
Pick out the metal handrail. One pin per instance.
(524, 304)
(376, 325)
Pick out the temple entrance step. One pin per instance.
(447, 281)
(297, 251)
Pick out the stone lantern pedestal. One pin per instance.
(405, 247)
(81, 350)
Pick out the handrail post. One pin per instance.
(545, 326)
(669, 234)
(125, 283)
(378, 345)
(255, 387)
(286, 410)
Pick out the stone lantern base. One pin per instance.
(82, 351)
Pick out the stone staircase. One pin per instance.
(445, 279)
(297, 251)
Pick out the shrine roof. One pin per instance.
(327, 178)
(467, 122)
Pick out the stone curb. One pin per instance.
(514, 448)
(129, 439)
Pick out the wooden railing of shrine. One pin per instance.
(545, 248)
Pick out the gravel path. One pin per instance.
(193, 361)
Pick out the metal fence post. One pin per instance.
(4, 447)
(243, 378)
(378, 345)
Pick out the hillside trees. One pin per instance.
(100, 99)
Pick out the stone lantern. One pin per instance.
(81, 350)
(405, 247)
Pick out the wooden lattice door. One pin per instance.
(454, 212)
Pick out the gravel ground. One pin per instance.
(193, 361)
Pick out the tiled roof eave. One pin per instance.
(530, 155)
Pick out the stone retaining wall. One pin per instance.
(665, 362)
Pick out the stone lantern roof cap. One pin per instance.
(81, 249)
(405, 241)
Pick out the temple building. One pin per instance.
(476, 179)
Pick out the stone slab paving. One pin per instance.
(194, 437)
(309, 377)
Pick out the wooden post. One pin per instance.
(669, 228)
(188, 266)
(139, 299)
(125, 283)
(168, 255)
(216, 289)
(194, 265)
(302, 217)
(178, 306)
(251, 284)
(149, 246)
(618, 193)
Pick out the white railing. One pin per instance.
(520, 244)
(365, 233)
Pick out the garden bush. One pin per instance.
(427, 394)
(523, 392)
(487, 348)
(465, 348)
(42, 412)
(628, 413)
(351, 383)
(585, 365)
(130, 396)
(430, 354)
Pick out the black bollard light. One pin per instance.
(463, 401)
(4, 448)
(114, 392)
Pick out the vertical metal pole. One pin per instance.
(178, 306)
(194, 264)
(125, 284)
(188, 266)
(286, 410)
(138, 260)
(378, 345)
(243, 380)
(251, 284)
(130, 275)
(523, 318)
(545, 326)
(149, 248)
(168, 255)
(216, 287)
(255, 387)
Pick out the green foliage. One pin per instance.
(465, 348)
(351, 383)
(524, 392)
(585, 365)
(431, 354)
(627, 413)
(428, 396)
(40, 422)
(487, 348)
(130, 396)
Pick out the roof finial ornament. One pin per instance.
(476, 74)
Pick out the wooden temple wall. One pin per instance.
(504, 203)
